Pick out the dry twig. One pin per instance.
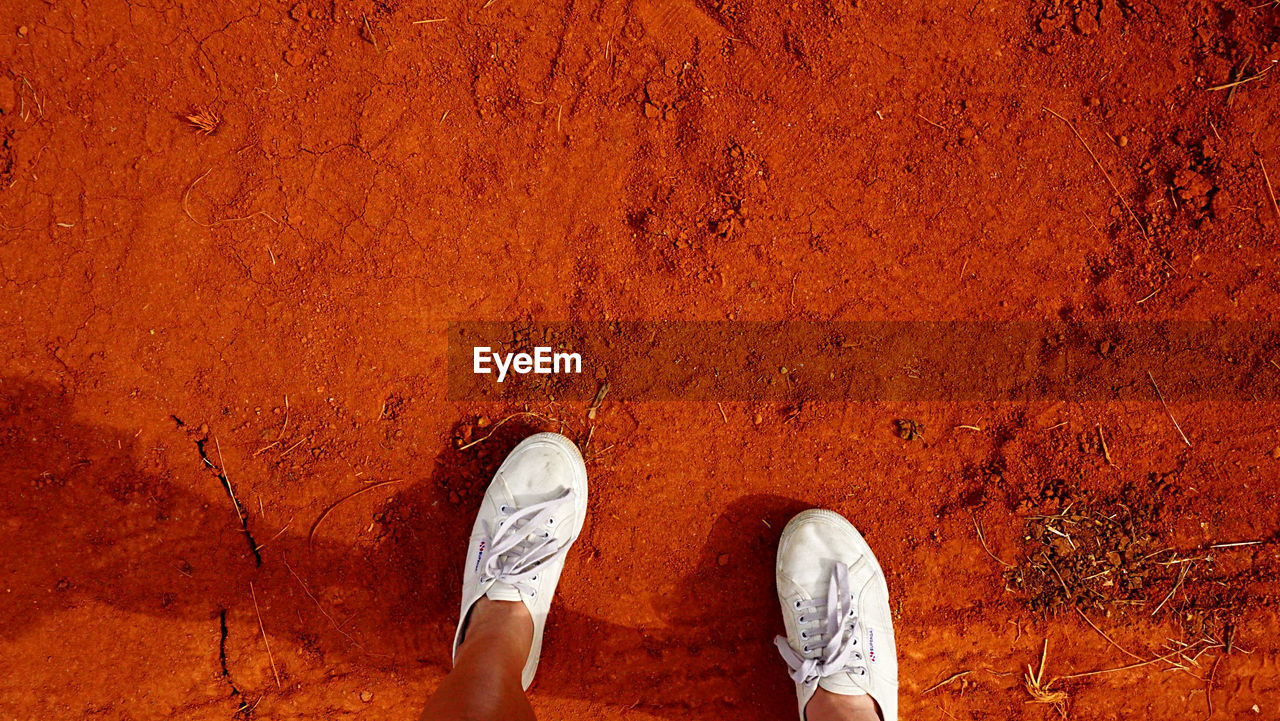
(1242, 81)
(312, 535)
(983, 540)
(186, 196)
(1166, 409)
(1271, 193)
(498, 425)
(1098, 163)
(953, 677)
(263, 629)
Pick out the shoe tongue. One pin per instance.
(843, 683)
(500, 591)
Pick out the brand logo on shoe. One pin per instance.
(871, 645)
(479, 556)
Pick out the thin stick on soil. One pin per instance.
(1065, 590)
(1234, 544)
(1122, 649)
(1271, 192)
(498, 425)
(369, 29)
(1140, 664)
(936, 125)
(1235, 83)
(283, 528)
(597, 400)
(284, 427)
(263, 629)
(953, 677)
(286, 451)
(1208, 686)
(222, 468)
(723, 417)
(1106, 452)
(1166, 409)
(1098, 163)
(186, 195)
(1181, 577)
(983, 540)
(320, 606)
(312, 535)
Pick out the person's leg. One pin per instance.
(827, 706)
(531, 514)
(835, 605)
(485, 682)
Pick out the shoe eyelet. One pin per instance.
(797, 604)
(804, 636)
(504, 508)
(804, 649)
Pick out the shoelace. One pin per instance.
(521, 543)
(828, 633)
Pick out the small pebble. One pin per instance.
(758, 419)
(1275, 453)
(366, 696)
(1122, 141)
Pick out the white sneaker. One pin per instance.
(835, 604)
(531, 514)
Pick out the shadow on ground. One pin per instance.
(88, 518)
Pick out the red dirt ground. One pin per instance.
(370, 179)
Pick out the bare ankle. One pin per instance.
(495, 628)
(827, 706)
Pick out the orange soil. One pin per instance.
(164, 290)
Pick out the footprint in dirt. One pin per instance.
(88, 517)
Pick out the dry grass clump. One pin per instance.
(204, 120)
(1042, 691)
(1115, 554)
